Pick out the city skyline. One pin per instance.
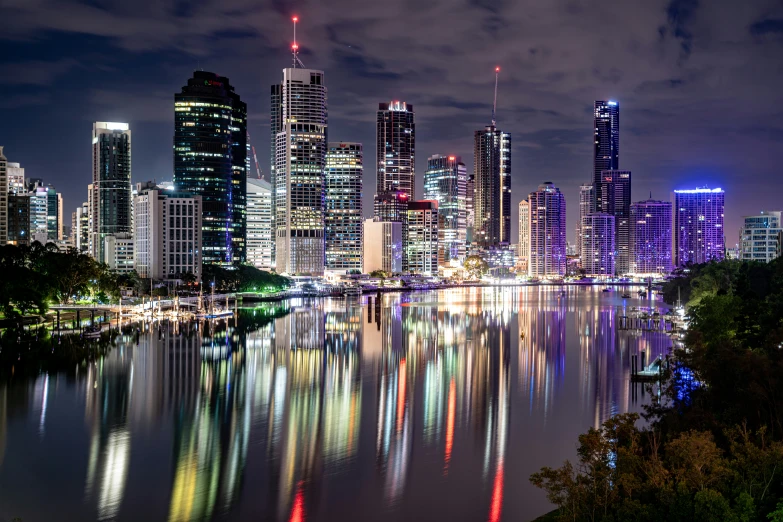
(548, 118)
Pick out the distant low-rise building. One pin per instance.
(759, 236)
(118, 252)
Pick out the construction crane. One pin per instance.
(255, 158)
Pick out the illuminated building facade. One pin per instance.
(300, 128)
(586, 206)
(523, 248)
(168, 233)
(111, 184)
(615, 199)
(18, 222)
(3, 198)
(492, 186)
(698, 226)
(759, 236)
(260, 240)
(651, 237)
(445, 181)
(606, 156)
(547, 232)
(396, 149)
(421, 249)
(80, 228)
(344, 171)
(118, 252)
(598, 246)
(210, 160)
(382, 246)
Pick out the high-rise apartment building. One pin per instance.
(111, 184)
(260, 239)
(651, 237)
(396, 149)
(759, 236)
(698, 226)
(382, 246)
(210, 160)
(523, 248)
(80, 228)
(547, 232)
(3, 198)
(586, 207)
(168, 231)
(597, 245)
(492, 186)
(421, 249)
(344, 171)
(16, 179)
(299, 125)
(18, 224)
(54, 214)
(445, 181)
(606, 129)
(39, 212)
(615, 199)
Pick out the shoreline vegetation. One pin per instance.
(712, 448)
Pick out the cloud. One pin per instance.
(35, 72)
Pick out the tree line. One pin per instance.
(712, 447)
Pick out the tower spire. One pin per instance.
(495, 102)
(295, 46)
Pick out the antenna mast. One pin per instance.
(295, 47)
(495, 103)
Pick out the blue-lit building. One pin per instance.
(651, 237)
(698, 226)
(210, 160)
(445, 181)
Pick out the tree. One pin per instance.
(475, 267)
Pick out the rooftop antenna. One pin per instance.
(295, 46)
(495, 103)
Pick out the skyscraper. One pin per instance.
(698, 226)
(586, 207)
(606, 125)
(445, 181)
(111, 184)
(615, 199)
(524, 232)
(492, 175)
(547, 232)
(260, 239)
(54, 214)
(651, 237)
(344, 170)
(597, 245)
(421, 250)
(759, 236)
(396, 149)
(3, 198)
(300, 161)
(210, 160)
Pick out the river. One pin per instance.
(437, 407)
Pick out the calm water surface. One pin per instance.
(441, 410)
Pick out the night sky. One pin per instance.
(700, 84)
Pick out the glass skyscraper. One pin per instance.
(445, 181)
(421, 250)
(651, 237)
(615, 199)
(523, 250)
(547, 232)
(597, 245)
(492, 186)
(698, 226)
(210, 160)
(111, 205)
(606, 125)
(259, 223)
(300, 128)
(344, 170)
(396, 149)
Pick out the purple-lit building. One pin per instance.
(547, 232)
(698, 226)
(651, 237)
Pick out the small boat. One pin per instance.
(607, 289)
(626, 295)
(92, 332)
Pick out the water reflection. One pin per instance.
(340, 410)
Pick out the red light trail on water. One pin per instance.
(496, 506)
(297, 510)
(450, 424)
(401, 395)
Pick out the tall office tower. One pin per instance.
(391, 206)
(81, 228)
(16, 179)
(396, 149)
(651, 237)
(470, 209)
(547, 232)
(586, 206)
(382, 246)
(111, 183)
(39, 212)
(615, 199)
(344, 170)
(606, 128)
(698, 226)
(3, 198)
(54, 214)
(445, 181)
(168, 232)
(492, 175)
(260, 239)
(597, 246)
(524, 233)
(421, 250)
(759, 236)
(300, 160)
(210, 160)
